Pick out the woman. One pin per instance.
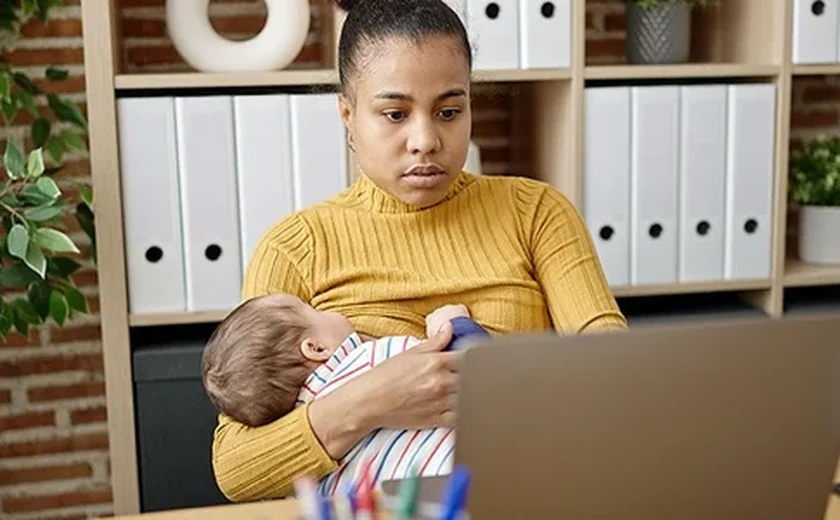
(414, 233)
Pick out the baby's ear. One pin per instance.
(314, 351)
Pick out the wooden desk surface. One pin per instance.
(288, 510)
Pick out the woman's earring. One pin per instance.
(350, 143)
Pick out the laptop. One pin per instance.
(725, 420)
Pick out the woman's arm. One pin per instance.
(414, 389)
(567, 267)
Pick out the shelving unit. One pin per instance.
(749, 39)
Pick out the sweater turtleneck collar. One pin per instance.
(373, 198)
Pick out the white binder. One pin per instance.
(494, 30)
(319, 148)
(263, 166)
(749, 180)
(653, 184)
(815, 31)
(151, 205)
(702, 182)
(606, 190)
(208, 197)
(545, 34)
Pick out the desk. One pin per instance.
(287, 510)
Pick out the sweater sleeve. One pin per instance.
(263, 462)
(567, 267)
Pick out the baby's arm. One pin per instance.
(441, 315)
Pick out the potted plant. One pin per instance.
(37, 256)
(815, 188)
(659, 31)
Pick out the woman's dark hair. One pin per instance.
(373, 21)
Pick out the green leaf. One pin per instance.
(56, 74)
(73, 140)
(43, 213)
(54, 240)
(26, 312)
(13, 160)
(55, 147)
(63, 267)
(29, 103)
(18, 241)
(26, 83)
(84, 216)
(6, 320)
(5, 87)
(41, 129)
(39, 296)
(33, 195)
(17, 276)
(36, 260)
(76, 299)
(35, 164)
(67, 111)
(10, 109)
(48, 187)
(87, 194)
(59, 308)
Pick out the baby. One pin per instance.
(273, 353)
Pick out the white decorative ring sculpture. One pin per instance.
(275, 47)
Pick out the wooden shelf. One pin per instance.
(800, 274)
(282, 78)
(688, 70)
(521, 75)
(816, 70)
(175, 318)
(126, 82)
(631, 291)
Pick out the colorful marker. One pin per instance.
(409, 489)
(455, 495)
(365, 502)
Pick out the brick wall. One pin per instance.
(53, 436)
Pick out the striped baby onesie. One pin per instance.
(394, 452)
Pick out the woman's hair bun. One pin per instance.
(346, 4)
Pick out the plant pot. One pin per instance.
(819, 234)
(659, 34)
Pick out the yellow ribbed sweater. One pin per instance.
(515, 251)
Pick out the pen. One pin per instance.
(365, 507)
(455, 494)
(408, 496)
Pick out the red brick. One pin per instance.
(89, 415)
(814, 118)
(5, 396)
(10, 477)
(85, 278)
(615, 22)
(57, 392)
(245, 24)
(26, 504)
(81, 333)
(821, 93)
(608, 47)
(55, 56)
(85, 442)
(27, 420)
(51, 364)
(16, 340)
(72, 84)
(53, 28)
(93, 304)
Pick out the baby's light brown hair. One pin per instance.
(252, 368)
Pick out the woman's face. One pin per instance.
(408, 116)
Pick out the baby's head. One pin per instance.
(259, 356)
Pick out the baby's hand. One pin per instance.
(438, 317)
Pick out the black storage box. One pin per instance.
(174, 420)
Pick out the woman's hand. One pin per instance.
(416, 389)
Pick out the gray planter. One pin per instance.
(660, 34)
